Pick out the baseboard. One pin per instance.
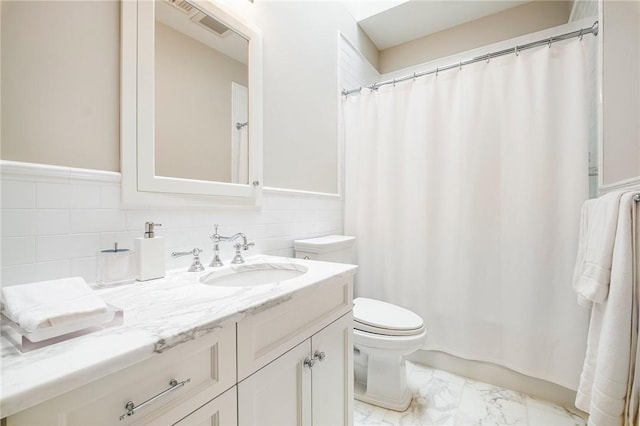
(497, 375)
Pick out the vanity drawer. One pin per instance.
(264, 336)
(207, 363)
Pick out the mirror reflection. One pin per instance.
(201, 96)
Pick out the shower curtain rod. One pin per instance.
(578, 33)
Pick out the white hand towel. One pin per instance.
(611, 344)
(598, 224)
(50, 303)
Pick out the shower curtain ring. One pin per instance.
(516, 50)
(488, 57)
(414, 76)
(394, 82)
(550, 41)
(436, 71)
(581, 34)
(460, 66)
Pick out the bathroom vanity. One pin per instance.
(219, 352)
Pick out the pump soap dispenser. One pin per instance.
(150, 250)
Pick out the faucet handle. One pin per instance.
(237, 259)
(215, 237)
(196, 265)
(246, 246)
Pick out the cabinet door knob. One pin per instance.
(320, 356)
(308, 362)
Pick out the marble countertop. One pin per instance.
(158, 315)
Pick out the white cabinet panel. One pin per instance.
(222, 411)
(288, 392)
(278, 394)
(264, 336)
(208, 363)
(332, 377)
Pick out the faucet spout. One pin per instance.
(217, 238)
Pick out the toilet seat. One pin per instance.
(378, 317)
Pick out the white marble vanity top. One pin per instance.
(158, 315)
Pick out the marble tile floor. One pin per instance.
(441, 398)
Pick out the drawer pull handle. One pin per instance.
(320, 356)
(132, 408)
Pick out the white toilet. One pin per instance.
(383, 334)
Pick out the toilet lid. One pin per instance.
(376, 316)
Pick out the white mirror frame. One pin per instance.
(140, 185)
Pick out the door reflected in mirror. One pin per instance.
(201, 96)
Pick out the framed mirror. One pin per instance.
(191, 105)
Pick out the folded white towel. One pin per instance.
(598, 224)
(50, 303)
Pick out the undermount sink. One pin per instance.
(253, 274)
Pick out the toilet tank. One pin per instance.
(330, 248)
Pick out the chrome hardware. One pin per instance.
(308, 362)
(306, 258)
(216, 248)
(196, 266)
(320, 356)
(149, 229)
(217, 238)
(237, 259)
(256, 183)
(133, 408)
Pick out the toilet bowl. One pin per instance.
(383, 334)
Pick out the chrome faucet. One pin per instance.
(217, 238)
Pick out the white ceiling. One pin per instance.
(393, 22)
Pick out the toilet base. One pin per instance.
(401, 404)
(380, 379)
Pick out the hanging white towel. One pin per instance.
(51, 303)
(598, 225)
(607, 369)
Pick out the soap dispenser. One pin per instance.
(150, 250)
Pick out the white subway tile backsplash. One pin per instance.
(18, 194)
(52, 270)
(178, 238)
(110, 197)
(18, 251)
(20, 274)
(57, 247)
(53, 196)
(18, 222)
(51, 221)
(55, 228)
(288, 252)
(97, 220)
(85, 196)
(85, 267)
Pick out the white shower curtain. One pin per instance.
(464, 190)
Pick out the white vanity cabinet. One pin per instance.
(249, 372)
(312, 382)
(300, 389)
(206, 365)
(222, 411)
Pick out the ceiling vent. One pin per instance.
(197, 16)
(182, 5)
(211, 24)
